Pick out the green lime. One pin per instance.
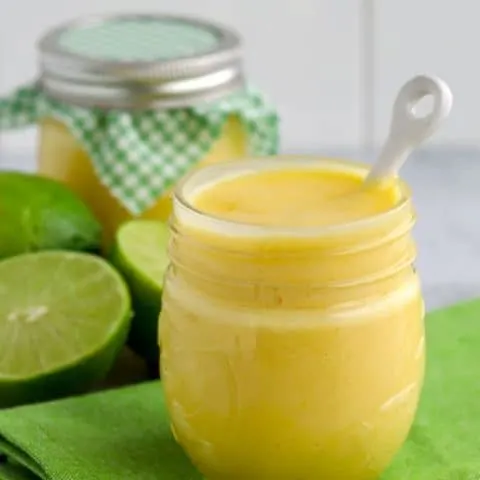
(42, 214)
(64, 317)
(140, 254)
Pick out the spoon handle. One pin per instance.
(408, 130)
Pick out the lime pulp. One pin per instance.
(64, 317)
(140, 254)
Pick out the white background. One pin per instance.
(319, 60)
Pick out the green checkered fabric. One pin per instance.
(139, 155)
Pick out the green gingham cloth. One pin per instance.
(138, 155)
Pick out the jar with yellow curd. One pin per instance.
(292, 337)
(127, 104)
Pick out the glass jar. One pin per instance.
(101, 79)
(290, 353)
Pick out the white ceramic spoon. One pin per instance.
(407, 130)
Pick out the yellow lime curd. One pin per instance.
(292, 331)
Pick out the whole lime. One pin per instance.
(38, 213)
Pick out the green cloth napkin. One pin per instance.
(120, 434)
(123, 434)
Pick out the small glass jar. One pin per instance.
(290, 353)
(137, 63)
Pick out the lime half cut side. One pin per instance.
(64, 317)
(140, 254)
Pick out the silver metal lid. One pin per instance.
(140, 61)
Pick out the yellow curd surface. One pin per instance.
(292, 328)
(62, 158)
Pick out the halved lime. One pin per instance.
(140, 254)
(64, 317)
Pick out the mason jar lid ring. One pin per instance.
(140, 61)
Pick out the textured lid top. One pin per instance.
(140, 61)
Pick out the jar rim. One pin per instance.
(201, 178)
(89, 79)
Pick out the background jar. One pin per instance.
(291, 353)
(127, 104)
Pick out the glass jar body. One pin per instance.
(297, 357)
(62, 158)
